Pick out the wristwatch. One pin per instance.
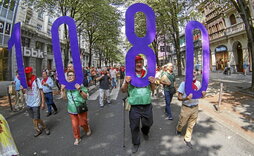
(80, 90)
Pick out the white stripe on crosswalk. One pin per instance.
(113, 94)
(94, 96)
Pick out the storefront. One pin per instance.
(221, 55)
(3, 64)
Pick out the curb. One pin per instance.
(228, 123)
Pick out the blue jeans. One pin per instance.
(49, 101)
(113, 82)
(168, 99)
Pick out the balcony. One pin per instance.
(217, 34)
(235, 28)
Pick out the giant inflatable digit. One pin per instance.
(16, 41)
(189, 58)
(140, 45)
(74, 51)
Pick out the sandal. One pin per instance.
(77, 141)
(89, 132)
(37, 133)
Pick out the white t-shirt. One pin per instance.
(113, 73)
(191, 102)
(33, 97)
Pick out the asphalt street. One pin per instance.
(209, 137)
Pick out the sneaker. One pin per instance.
(168, 118)
(48, 114)
(89, 132)
(77, 141)
(135, 148)
(47, 131)
(146, 136)
(178, 133)
(55, 112)
(188, 143)
(37, 133)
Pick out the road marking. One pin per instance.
(114, 93)
(94, 96)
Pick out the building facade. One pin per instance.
(7, 17)
(36, 39)
(228, 39)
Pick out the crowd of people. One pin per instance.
(40, 91)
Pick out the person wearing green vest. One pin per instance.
(141, 107)
(169, 89)
(76, 98)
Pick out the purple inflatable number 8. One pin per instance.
(189, 59)
(140, 45)
(74, 51)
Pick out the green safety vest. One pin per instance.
(77, 98)
(139, 96)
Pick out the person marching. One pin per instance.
(169, 89)
(141, 107)
(104, 80)
(35, 101)
(19, 96)
(189, 110)
(76, 99)
(47, 85)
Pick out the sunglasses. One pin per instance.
(71, 75)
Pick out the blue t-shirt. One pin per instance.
(191, 102)
(17, 83)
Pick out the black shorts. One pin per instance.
(34, 112)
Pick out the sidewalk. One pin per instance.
(5, 109)
(237, 108)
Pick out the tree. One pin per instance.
(101, 25)
(243, 9)
(72, 8)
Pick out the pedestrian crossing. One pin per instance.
(113, 94)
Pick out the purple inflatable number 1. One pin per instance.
(74, 51)
(15, 40)
(140, 45)
(189, 58)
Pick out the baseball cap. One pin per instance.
(138, 57)
(28, 70)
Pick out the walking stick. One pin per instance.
(124, 122)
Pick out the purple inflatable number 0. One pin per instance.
(189, 58)
(15, 40)
(74, 51)
(140, 45)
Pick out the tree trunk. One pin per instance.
(242, 9)
(90, 55)
(66, 52)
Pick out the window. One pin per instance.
(40, 15)
(39, 27)
(25, 42)
(39, 45)
(12, 5)
(50, 20)
(28, 18)
(49, 49)
(49, 32)
(5, 4)
(232, 19)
